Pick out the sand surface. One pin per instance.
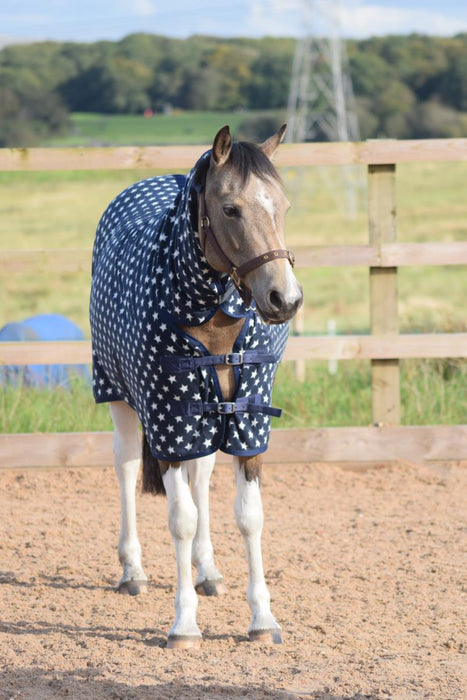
(365, 572)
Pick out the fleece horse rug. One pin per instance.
(174, 255)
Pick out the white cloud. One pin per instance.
(369, 20)
(142, 8)
(357, 19)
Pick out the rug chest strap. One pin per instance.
(245, 404)
(171, 363)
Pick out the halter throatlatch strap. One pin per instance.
(236, 273)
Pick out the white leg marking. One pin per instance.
(200, 471)
(127, 452)
(183, 518)
(249, 516)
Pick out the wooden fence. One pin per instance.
(383, 441)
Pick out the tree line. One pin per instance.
(405, 86)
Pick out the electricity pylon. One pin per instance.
(321, 103)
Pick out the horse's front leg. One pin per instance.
(183, 517)
(249, 516)
(209, 580)
(127, 453)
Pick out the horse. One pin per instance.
(192, 291)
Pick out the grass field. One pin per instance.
(61, 210)
(88, 129)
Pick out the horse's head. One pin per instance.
(242, 216)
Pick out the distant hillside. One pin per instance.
(405, 86)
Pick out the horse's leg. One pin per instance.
(249, 516)
(209, 580)
(127, 453)
(183, 518)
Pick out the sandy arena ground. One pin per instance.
(365, 572)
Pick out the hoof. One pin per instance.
(183, 641)
(133, 587)
(208, 587)
(272, 636)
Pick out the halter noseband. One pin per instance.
(236, 273)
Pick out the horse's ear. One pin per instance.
(222, 146)
(270, 146)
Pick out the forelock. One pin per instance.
(248, 159)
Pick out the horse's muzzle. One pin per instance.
(278, 309)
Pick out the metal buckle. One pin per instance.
(226, 407)
(235, 277)
(205, 223)
(234, 358)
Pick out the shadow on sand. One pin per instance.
(82, 684)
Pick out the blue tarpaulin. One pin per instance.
(41, 327)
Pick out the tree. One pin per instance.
(402, 83)
(434, 120)
(369, 72)
(453, 84)
(112, 85)
(268, 87)
(25, 119)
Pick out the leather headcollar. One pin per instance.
(236, 273)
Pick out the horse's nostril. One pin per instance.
(275, 300)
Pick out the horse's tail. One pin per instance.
(152, 477)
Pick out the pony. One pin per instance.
(192, 291)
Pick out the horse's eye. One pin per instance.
(231, 212)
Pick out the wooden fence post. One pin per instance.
(385, 380)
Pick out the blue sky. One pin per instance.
(89, 20)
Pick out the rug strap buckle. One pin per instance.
(226, 407)
(234, 358)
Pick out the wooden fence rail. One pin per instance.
(364, 445)
(317, 347)
(383, 441)
(72, 260)
(375, 152)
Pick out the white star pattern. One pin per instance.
(149, 278)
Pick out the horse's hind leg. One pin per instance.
(209, 580)
(127, 453)
(249, 516)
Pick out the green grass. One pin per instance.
(179, 127)
(29, 410)
(433, 392)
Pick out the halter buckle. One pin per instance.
(204, 222)
(235, 277)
